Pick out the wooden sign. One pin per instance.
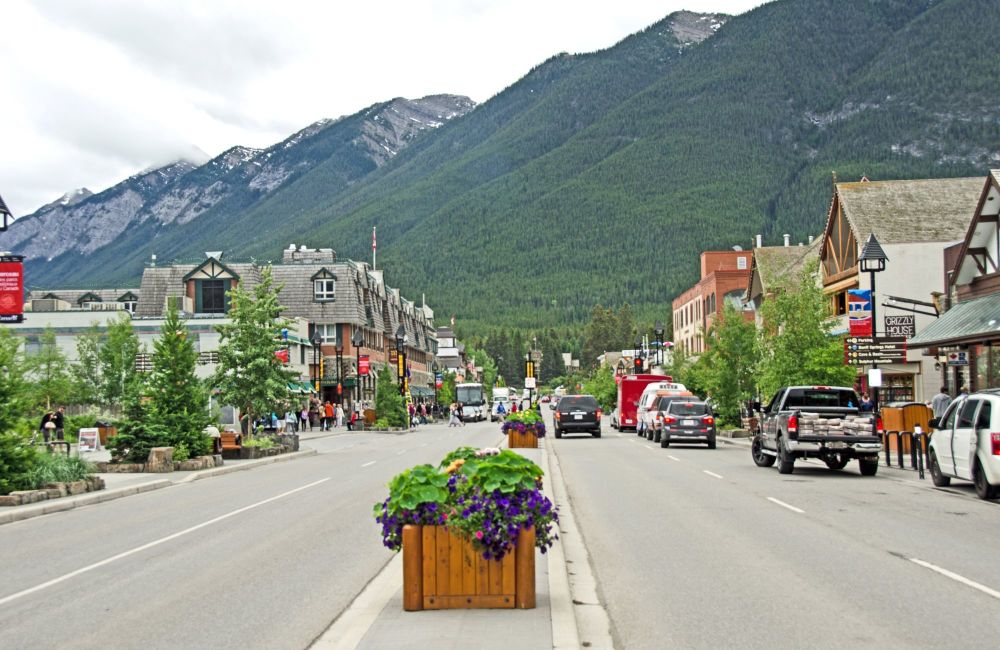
(89, 440)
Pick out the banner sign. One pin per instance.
(904, 326)
(11, 289)
(282, 355)
(363, 365)
(89, 440)
(439, 380)
(863, 351)
(859, 312)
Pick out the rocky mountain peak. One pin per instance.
(691, 28)
(391, 126)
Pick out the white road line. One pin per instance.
(162, 540)
(945, 572)
(369, 463)
(400, 453)
(785, 505)
(711, 473)
(673, 458)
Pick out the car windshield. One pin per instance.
(667, 401)
(688, 408)
(579, 401)
(821, 398)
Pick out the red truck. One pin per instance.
(630, 389)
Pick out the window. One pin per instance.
(741, 263)
(965, 420)
(840, 303)
(324, 289)
(983, 421)
(213, 296)
(129, 306)
(327, 332)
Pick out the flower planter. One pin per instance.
(518, 440)
(443, 571)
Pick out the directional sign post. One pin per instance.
(863, 351)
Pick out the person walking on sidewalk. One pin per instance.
(291, 421)
(340, 415)
(327, 416)
(352, 420)
(941, 402)
(304, 419)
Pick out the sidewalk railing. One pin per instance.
(910, 450)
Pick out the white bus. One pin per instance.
(472, 397)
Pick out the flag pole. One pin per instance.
(374, 266)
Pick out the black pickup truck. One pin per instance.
(819, 422)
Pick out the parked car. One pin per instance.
(653, 417)
(966, 443)
(645, 408)
(578, 413)
(686, 421)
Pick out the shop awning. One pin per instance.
(300, 387)
(971, 321)
(421, 391)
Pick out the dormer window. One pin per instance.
(324, 286)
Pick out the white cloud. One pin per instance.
(94, 91)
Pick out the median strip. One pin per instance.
(785, 505)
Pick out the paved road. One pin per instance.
(265, 558)
(699, 548)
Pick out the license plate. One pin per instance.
(689, 423)
(577, 417)
(837, 445)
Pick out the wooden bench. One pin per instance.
(229, 441)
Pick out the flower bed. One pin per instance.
(490, 502)
(523, 429)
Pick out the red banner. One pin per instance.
(11, 289)
(363, 365)
(282, 355)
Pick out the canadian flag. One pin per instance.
(373, 237)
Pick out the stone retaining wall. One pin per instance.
(52, 491)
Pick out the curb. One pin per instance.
(564, 627)
(90, 498)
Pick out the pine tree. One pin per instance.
(16, 457)
(389, 404)
(178, 401)
(249, 375)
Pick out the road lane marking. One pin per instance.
(369, 463)
(674, 458)
(711, 473)
(948, 574)
(400, 453)
(785, 505)
(162, 540)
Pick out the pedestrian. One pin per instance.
(352, 419)
(304, 419)
(47, 426)
(461, 413)
(501, 411)
(941, 402)
(327, 415)
(513, 407)
(340, 415)
(867, 406)
(291, 420)
(274, 422)
(58, 418)
(313, 414)
(453, 415)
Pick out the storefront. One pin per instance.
(966, 342)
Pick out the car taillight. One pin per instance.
(708, 419)
(668, 419)
(793, 424)
(878, 425)
(599, 414)
(995, 439)
(557, 415)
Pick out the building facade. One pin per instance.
(723, 279)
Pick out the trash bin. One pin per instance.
(105, 431)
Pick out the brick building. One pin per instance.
(724, 277)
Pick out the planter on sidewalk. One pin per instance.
(522, 440)
(443, 571)
(523, 429)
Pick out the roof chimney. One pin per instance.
(760, 240)
(216, 254)
(788, 239)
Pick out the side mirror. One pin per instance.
(934, 423)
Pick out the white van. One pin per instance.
(966, 443)
(649, 395)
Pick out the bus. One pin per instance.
(472, 397)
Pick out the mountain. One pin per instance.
(598, 178)
(84, 237)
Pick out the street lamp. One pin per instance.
(872, 261)
(401, 358)
(340, 370)
(316, 341)
(658, 330)
(434, 378)
(357, 340)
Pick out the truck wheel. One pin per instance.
(983, 489)
(760, 459)
(657, 435)
(868, 467)
(937, 476)
(836, 461)
(664, 442)
(785, 464)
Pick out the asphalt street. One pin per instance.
(265, 558)
(699, 548)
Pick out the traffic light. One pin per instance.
(637, 364)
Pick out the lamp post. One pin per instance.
(658, 330)
(316, 341)
(434, 378)
(357, 340)
(340, 370)
(401, 358)
(872, 261)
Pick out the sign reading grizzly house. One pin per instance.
(904, 326)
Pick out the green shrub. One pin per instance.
(382, 423)
(260, 442)
(135, 439)
(57, 468)
(17, 459)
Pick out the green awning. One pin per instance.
(971, 321)
(300, 387)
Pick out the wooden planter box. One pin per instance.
(443, 571)
(526, 440)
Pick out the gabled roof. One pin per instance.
(979, 253)
(78, 296)
(212, 268)
(772, 264)
(897, 212)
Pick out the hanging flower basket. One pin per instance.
(468, 529)
(523, 429)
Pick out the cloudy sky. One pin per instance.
(96, 90)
